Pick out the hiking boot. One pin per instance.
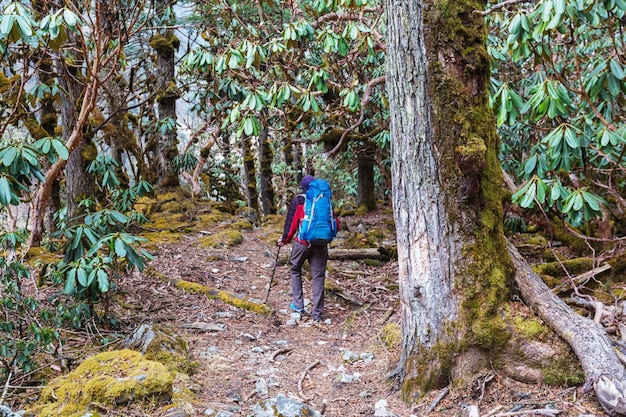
(297, 309)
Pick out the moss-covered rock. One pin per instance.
(113, 379)
(534, 354)
(249, 214)
(273, 220)
(360, 240)
(223, 239)
(362, 210)
(162, 344)
(242, 225)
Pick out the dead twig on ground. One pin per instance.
(493, 411)
(582, 278)
(387, 315)
(279, 352)
(542, 411)
(6, 387)
(311, 366)
(438, 399)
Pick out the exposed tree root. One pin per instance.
(308, 368)
(589, 341)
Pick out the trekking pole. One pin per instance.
(272, 278)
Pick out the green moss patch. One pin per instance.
(529, 328)
(273, 219)
(390, 335)
(229, 298)
(113, 379)
(573, 266)
(564, 370)
(359, 240)
(242, 225)
(223, 239)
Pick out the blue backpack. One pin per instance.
(318, 226)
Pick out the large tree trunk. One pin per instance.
(454, 269)
(587, 338)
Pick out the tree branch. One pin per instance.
(364, 101)
(498, 6)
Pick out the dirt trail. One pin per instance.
(258, 357)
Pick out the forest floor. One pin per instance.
(341, 366)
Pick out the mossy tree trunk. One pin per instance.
(454, 268)
(249, 174)
(93, 69)
(165, 44)
(293, 156)
(266, 157)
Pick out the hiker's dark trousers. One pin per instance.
(317, 257)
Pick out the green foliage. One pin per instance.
(97, 252)
(185, 162)
(558, 91)
(302, 71)
(26, 328)
(105, 170)
(515, 224)
(20, 166)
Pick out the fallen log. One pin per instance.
(589, 341)
(237, 300)
(353, 254)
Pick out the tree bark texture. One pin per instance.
(165, 47)
(454, 269)
(589, 341)
(249, 174)
(78, 183)
(116, 132)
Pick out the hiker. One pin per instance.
(316, 251)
